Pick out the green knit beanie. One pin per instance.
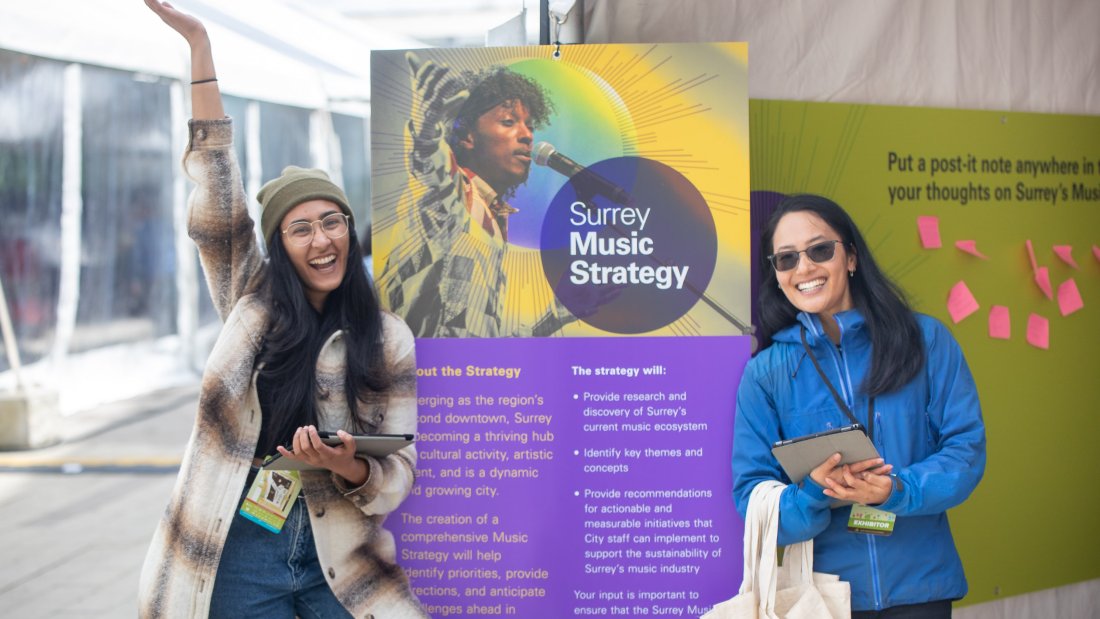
(293, 187)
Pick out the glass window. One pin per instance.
(284, 138)
(31, 100)
(351, 131)
(128, 258)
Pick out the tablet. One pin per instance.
(377, 445)
(801, 455)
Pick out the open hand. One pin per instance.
(188, 26)
(438, 93)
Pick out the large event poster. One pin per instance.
(567, 234)
(990, 221)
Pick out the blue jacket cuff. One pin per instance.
(896, 498)
(814, 492)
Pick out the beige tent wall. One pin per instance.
(1017, 55)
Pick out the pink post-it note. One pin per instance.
(1031, 255)
(970, 247)
(929, 227)
(960, 302)
(1065, 252)
(1038, 331)
(1042, 277)
(1000, 325)
(1069, 298)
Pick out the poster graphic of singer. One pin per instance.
(633, 221)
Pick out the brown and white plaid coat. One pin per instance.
(356, 553)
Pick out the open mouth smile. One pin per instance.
(811, 285)
(323, 261)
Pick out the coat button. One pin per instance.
(331, 573)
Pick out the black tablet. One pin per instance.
(377, 445)
(799, 456)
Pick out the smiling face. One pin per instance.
(321, 263)
(498, 147)
(814, 288)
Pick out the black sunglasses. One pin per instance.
(818, 252)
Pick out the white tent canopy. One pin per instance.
(263, 50)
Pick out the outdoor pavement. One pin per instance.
(77, 517)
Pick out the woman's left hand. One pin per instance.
(870, 487)
(339, 459)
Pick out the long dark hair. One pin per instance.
(287, 382)
(897, 347)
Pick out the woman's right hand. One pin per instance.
(206, 100)
(188, 26)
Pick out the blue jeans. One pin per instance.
(928, 610)
(274, 576)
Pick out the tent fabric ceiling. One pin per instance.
(263, 50)
(1013, 55)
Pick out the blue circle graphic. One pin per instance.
(628, 245)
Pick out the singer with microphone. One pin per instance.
(471, 146)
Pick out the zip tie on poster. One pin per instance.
(558, 21)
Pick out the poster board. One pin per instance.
(574, 432)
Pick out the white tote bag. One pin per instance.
(790, 591)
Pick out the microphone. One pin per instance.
(584, 179)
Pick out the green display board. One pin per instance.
(998, 180)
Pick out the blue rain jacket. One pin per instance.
(931, 430)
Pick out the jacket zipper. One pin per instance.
(849, 396)
(871, 550)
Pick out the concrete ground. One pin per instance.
(77, 517)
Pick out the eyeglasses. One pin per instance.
(334, 225)
(819, 252)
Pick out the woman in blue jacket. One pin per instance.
(840, 345)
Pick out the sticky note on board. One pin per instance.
(1000, 323)
(1042, 278)
(929, 228)
(1069, 297)
(1031, 255)
(1038, 331)
(970, 247)
(960, 302)
(1065, 252)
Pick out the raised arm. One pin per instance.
(206, 99)
(218, 219)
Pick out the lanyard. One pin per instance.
(836, 396)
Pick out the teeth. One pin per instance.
(322, 261)
(804, 286)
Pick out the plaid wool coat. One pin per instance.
(356, 553)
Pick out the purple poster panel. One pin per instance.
(567, 236)
(574, 477)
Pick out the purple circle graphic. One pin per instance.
(628, 245)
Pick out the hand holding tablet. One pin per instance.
(377, 445)
(799, 456)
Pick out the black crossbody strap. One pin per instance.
(836, 396)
